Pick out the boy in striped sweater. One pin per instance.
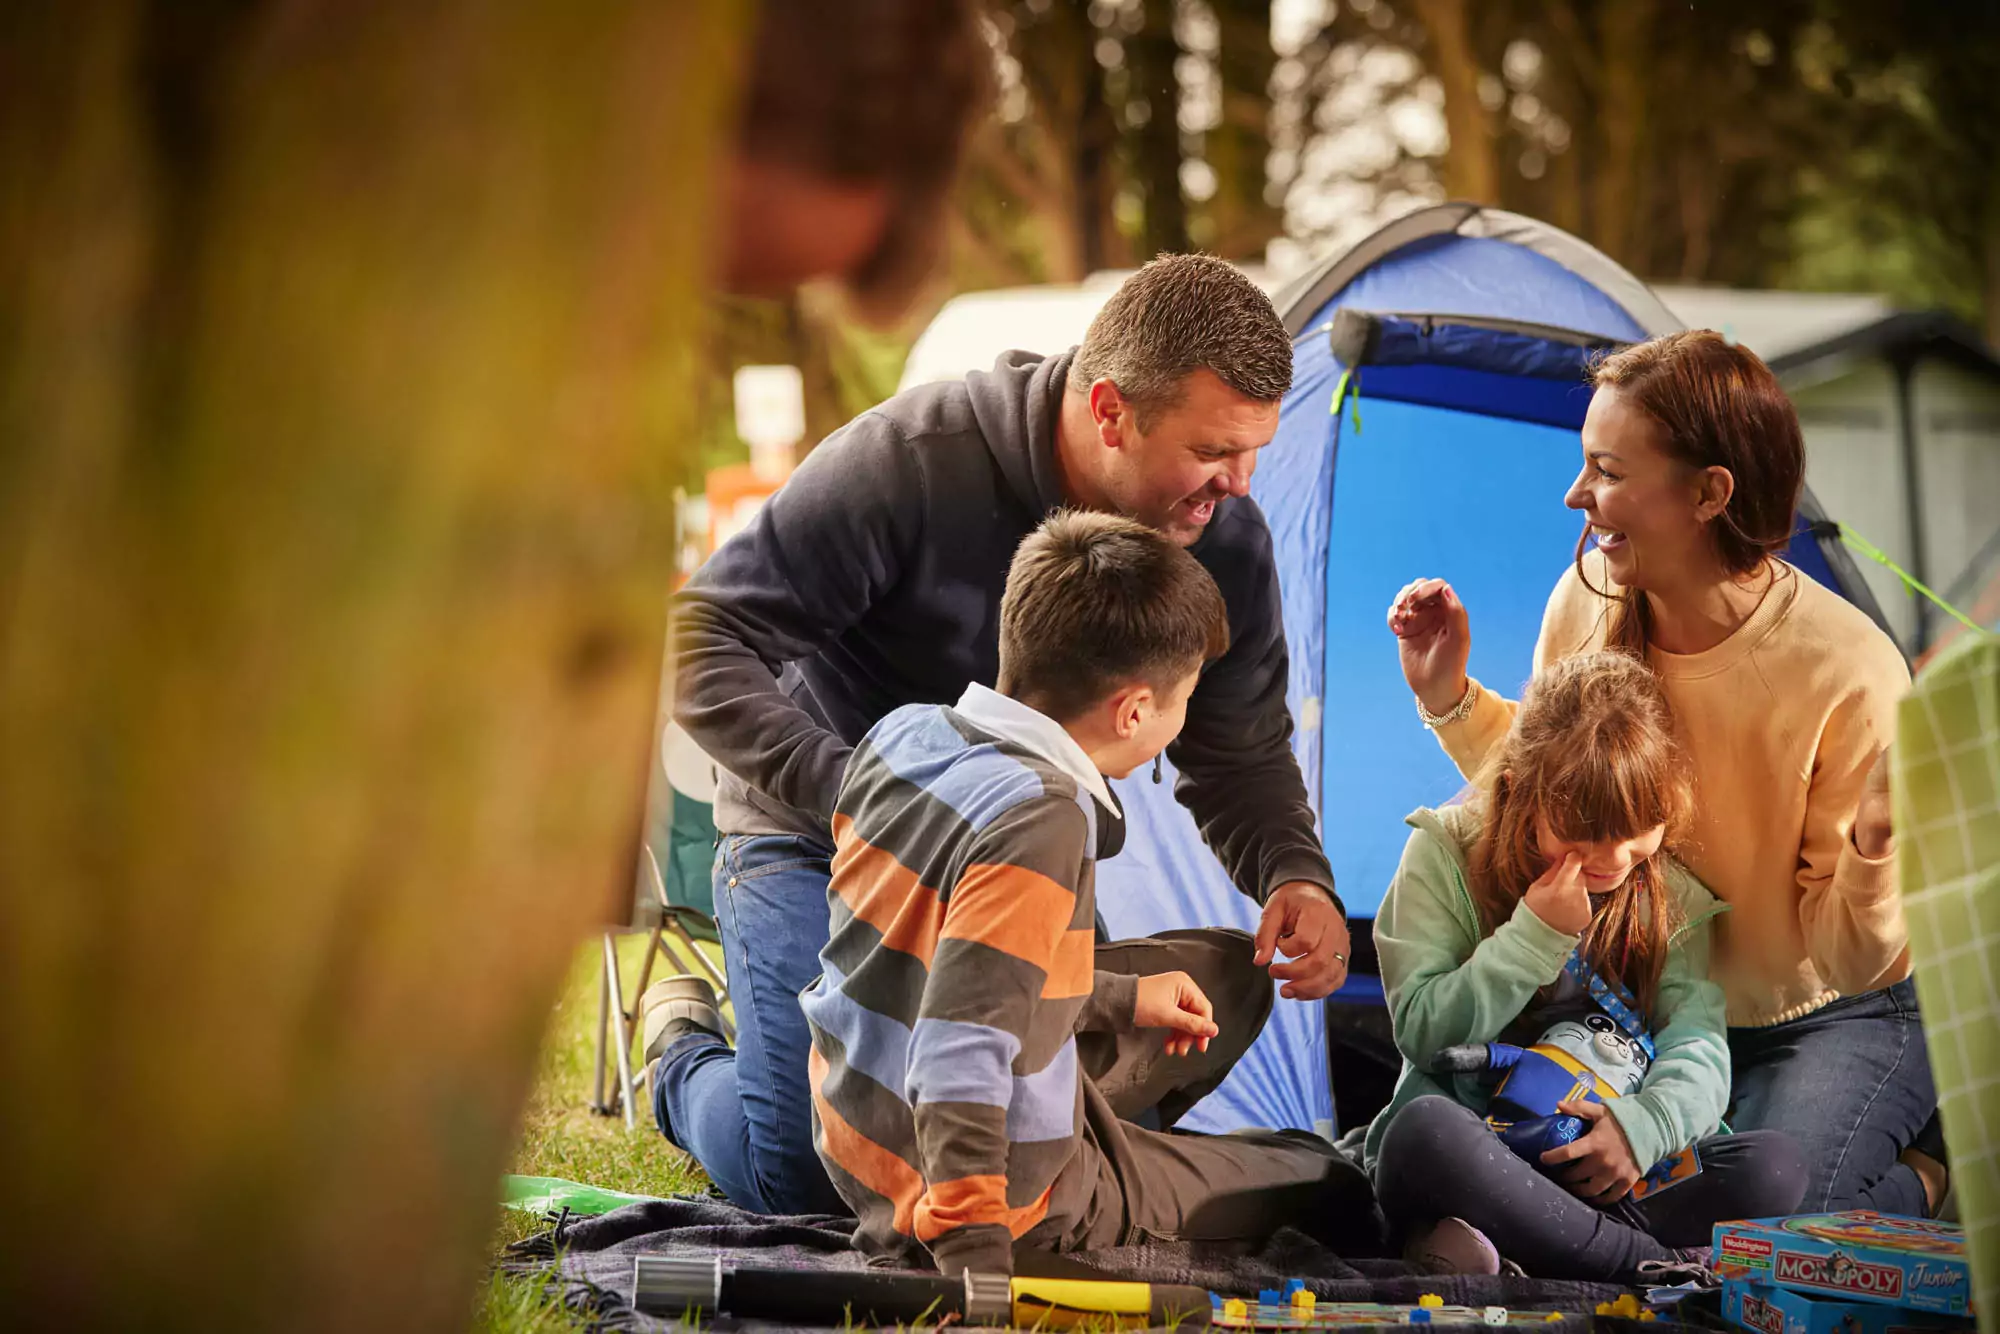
(949, 1104)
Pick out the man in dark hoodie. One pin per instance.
(873, 580)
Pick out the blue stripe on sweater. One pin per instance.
(1044, 1105)
(876, 1045)
(918, 745)
(959, 1062)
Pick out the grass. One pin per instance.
(562, 1137)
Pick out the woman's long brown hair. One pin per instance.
(1592, 752)
(1722, 407)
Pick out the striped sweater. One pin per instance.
(947, 1099)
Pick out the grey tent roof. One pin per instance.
(1299, 299)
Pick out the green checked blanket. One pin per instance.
(1946, 789)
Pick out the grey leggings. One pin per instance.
(1439, 1160)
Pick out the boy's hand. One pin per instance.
(1172, 1001)
(1301, 922)
(1560, 897)
(1602, 1169)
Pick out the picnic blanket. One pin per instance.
(593, 1258)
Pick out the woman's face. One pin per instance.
(1647, 509)
(1607, 863)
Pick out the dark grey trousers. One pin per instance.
(1439, 1160)
(1131, 1184)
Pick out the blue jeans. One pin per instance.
(1851, 1082)
(746, 1114)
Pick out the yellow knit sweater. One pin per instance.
(1782, 720)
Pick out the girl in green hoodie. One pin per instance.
(1551, 897)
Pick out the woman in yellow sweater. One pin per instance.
(1786, 695)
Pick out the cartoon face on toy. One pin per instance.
(1597, 1043)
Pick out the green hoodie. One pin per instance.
(1446, 986)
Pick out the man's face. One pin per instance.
(1193, 455)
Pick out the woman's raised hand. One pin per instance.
(1434, 639)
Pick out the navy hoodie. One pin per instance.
(872, 580)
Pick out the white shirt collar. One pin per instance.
(1014, 721)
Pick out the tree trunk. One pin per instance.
(340, 391)
(1471, 163)
(1151, 53)
(1622, 92)
(1245, 221)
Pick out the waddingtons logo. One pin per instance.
(1839, 1273)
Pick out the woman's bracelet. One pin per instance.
(1459, 712)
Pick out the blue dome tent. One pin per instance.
(1462, 336)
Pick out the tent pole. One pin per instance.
(1913, 498)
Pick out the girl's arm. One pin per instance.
(1687, 1087)
(1446, 987)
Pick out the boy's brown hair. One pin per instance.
(1097, 601)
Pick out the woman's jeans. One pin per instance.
(1851, 1082)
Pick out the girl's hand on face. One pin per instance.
(1434, 640)
(1601, 1167)
(1560, 897)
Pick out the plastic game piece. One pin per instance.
(1269, 1297)
(1420, 1315)
(1304, 1300)
(1496, 1315)
(1626, 1307)
(1236, 1309)
(1431, 1300)
(1552, 1317)
(1293, 1287)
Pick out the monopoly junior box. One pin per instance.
(1773, 1310)
(1859, 1256)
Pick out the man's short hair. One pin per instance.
(1095, 602)
(1177, 315)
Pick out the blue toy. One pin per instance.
(1574, 1061)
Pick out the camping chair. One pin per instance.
(677, 909)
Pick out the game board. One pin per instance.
(1859, 1255)
(1293, 1307)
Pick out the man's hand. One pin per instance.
(1602, 1169)
(1560, 897)
(1172, 1001)
(1301, 923)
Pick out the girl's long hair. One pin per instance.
(1722, 407)
(1593, 753)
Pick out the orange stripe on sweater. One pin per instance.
(862, 1158)
(884, 893)
(1074, 970)
(972, 1200)
(1011, 909)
